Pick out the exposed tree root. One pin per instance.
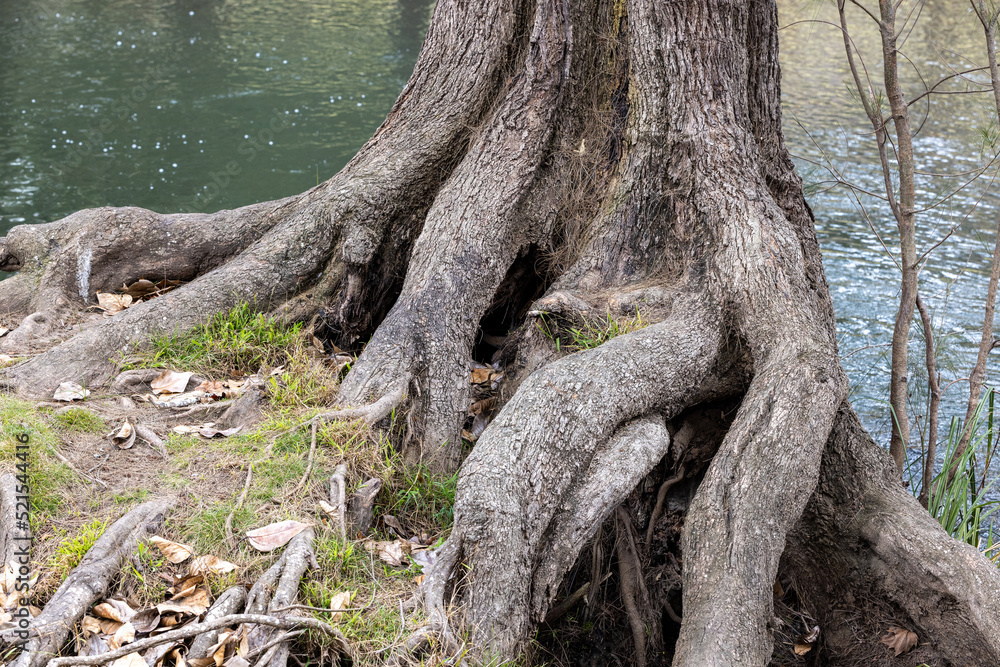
(697, 222)
(197, 629)
(862, 534)
(15, 536)
(360, 512)
(521, 522)
(373, 413)
(230, 538)
(152, 439)
(87, 583)
(629, 578)
(277, 590)
(338, 498)
(230, 602)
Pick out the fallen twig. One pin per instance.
(70, 466)
(189, 631)
(560, 609)
(339, 482)
(230, 538)
(279, 640)
(151, 439)
(309, 465)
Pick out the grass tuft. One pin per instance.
(593, 331)
(962, 506)
(80, 419)
(236, 343)
(71, 550)
(50, 479)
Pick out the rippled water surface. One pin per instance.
(147, 103)
(824, 125)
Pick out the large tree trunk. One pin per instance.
(548, 163)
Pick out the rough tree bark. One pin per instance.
(550, 162)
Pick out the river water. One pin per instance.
(117, 102)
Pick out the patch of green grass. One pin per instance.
(80, 419)
(140, 580)
(348, 567)
(205, 530)
(303, 382)
(237, 342)
(49, 479)
(131, 497)
(73, 548)
(593, 331)
(423, 497)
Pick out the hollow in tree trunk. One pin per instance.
(551, 163)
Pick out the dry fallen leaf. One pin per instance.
(211, 565)
(178, 656)
(113, 303)
(802, 649)
(91, 626)
(170, 382)
(341, 600)
(275, 535)
(900, 640)
(139, 288)
(146, 620)
(423, 557)
(175, 553)
(131, 660)
(213, 388)
(124, 438)
(184, 586)
(340, 361)
(70, 391)
(481, 375)
(193, 604)
(419, 579)
(392, 553)
(214, 432)
(94, 645)
(329, 510)
(393, 523)
(123, 635)
(114, 610)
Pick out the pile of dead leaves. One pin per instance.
(11, 599)
(113, 623)
(170, 390)
(485, 384)
(129, 295)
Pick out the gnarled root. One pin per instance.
(276, 591)
(863, 536)
(752, 495)
(548, 470)
(87, 583)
